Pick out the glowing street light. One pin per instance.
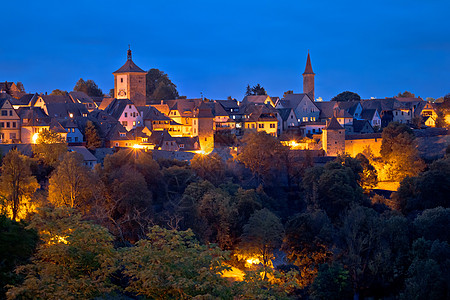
(35, 137)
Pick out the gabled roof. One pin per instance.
(358, 125)
(50, 99)
(24, 100)
(119, 133)
(349, 106)
(33, 116)
(293, 100)
(87, 155)
(368, 114)
(387, 104)
(81, 97)
(203, 111)
(63, 110)
(5, 96)
(408, 99)
(341, 113)
(258, 112)
(217, 109)
(333, 125)
(105, 102)
(228, 104)
(55, 126)
(326, 109)
(257, 99)
(284, 113)
(117, 106)
(151, 113)
(158, 136)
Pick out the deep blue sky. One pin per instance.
(374, 48)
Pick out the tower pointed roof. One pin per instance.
(129, 66)
(333, 124)
(308, 68)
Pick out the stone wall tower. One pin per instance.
(308, 79)
(333, 138)
(203, 125)
(130, 82)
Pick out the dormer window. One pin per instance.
(122, 134)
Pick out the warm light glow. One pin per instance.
(252, 261)
(447, 118)
(234, 274)
(35, 137)
(137, 146)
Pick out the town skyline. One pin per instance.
(218, 54)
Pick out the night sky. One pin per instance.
(373, 48)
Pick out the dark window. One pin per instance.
(10, 113)
(2, 124)
(76, 139)
(4, 112)
(7, 125)
(14, 124)
(121, 79)
(126, 115)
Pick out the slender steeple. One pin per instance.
(308, 79)
(308, 68)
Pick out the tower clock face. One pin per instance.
(122, 93)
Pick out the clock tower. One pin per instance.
(130, 82)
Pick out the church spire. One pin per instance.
(308, 79)
(129, 53)
(308, 68)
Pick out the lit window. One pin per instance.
(305, 119)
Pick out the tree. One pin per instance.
(209, 167)
(75, 261)
(70, 184)
(359, 240)
(406, 94)
(16, 182)
(399, 151)
(346, 96)
(261, 153)
(333, 188)
(262, 235)
(427, 276)
(58, 92)
(255, 90)
(432, 224)
(369, 176)
(159, 86)
(332, 282)
(16, 246)
(307, 243)
(92, 138)
(171, 264)
(20, 86)
(89, 87)
(50, 146)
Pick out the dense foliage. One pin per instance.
(136, 227)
